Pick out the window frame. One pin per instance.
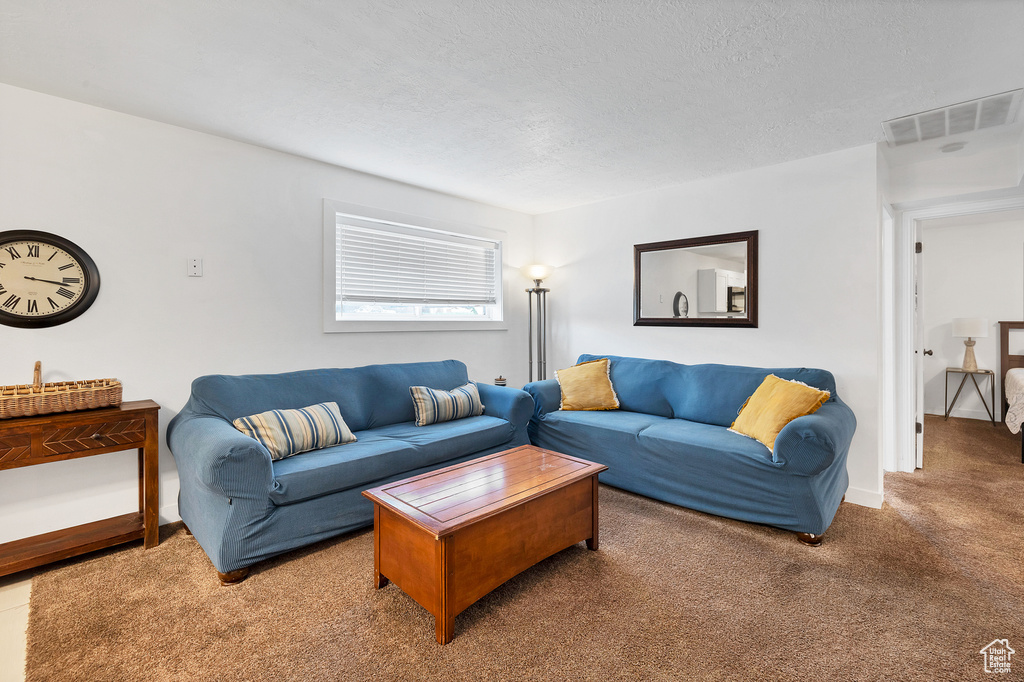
(332, 209)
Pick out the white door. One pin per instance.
(919, 349)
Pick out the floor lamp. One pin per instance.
(538, 273)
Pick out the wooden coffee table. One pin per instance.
(450, 536)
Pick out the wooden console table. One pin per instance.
(68, 435)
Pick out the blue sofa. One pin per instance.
(670, 441)
(243, 507)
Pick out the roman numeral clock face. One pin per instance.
(45, 280)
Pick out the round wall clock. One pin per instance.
(45, 280)
(680, 305)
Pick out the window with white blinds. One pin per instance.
(388, 264)
(390, 271)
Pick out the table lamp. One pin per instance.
(970, 328)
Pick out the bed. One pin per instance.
(1012, 371)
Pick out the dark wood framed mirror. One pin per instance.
(697, 282)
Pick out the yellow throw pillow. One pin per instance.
(775, 403)
(587, 386)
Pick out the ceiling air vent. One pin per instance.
(966, 117)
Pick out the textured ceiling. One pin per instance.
(534, 105)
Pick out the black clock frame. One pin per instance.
(90, 285)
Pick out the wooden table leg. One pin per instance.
(151, 482)
(592, 542)
(379, 580)
(444, 619)
(444, 629)
(142, 480)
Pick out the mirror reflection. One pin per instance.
(705, 281)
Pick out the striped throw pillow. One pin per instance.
(288, 432)
(434, 406)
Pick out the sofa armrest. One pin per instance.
(510, 404)
(809, 445)
(215, 454)
(547, 396)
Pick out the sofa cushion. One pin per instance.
(587, 386)
(382, 453)
(714, 394)
(435, 405)
(632, 433)
(638, 382)
(289, 432)
(713, 443)
(775, 403)
(445, 440)
(710, 394)
(588, 432)
(371, 396)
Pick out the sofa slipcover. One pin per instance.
(670, 440)
(243, 507)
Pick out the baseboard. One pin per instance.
(966, 413)
(169, 514)
(864, 498)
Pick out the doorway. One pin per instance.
(972, 270)
(903, 347)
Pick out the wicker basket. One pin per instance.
(28, 400)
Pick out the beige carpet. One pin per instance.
(912, 591)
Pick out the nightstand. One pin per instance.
(972, 374)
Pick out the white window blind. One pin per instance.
(387, 263)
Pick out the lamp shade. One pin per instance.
(536, 271)
(973, 327)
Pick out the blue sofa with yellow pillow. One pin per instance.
(244, 501)
(670, 439)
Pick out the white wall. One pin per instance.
(1020, 162)
(141, 197)
(969, 270)
(818, 284)
(964, 172)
